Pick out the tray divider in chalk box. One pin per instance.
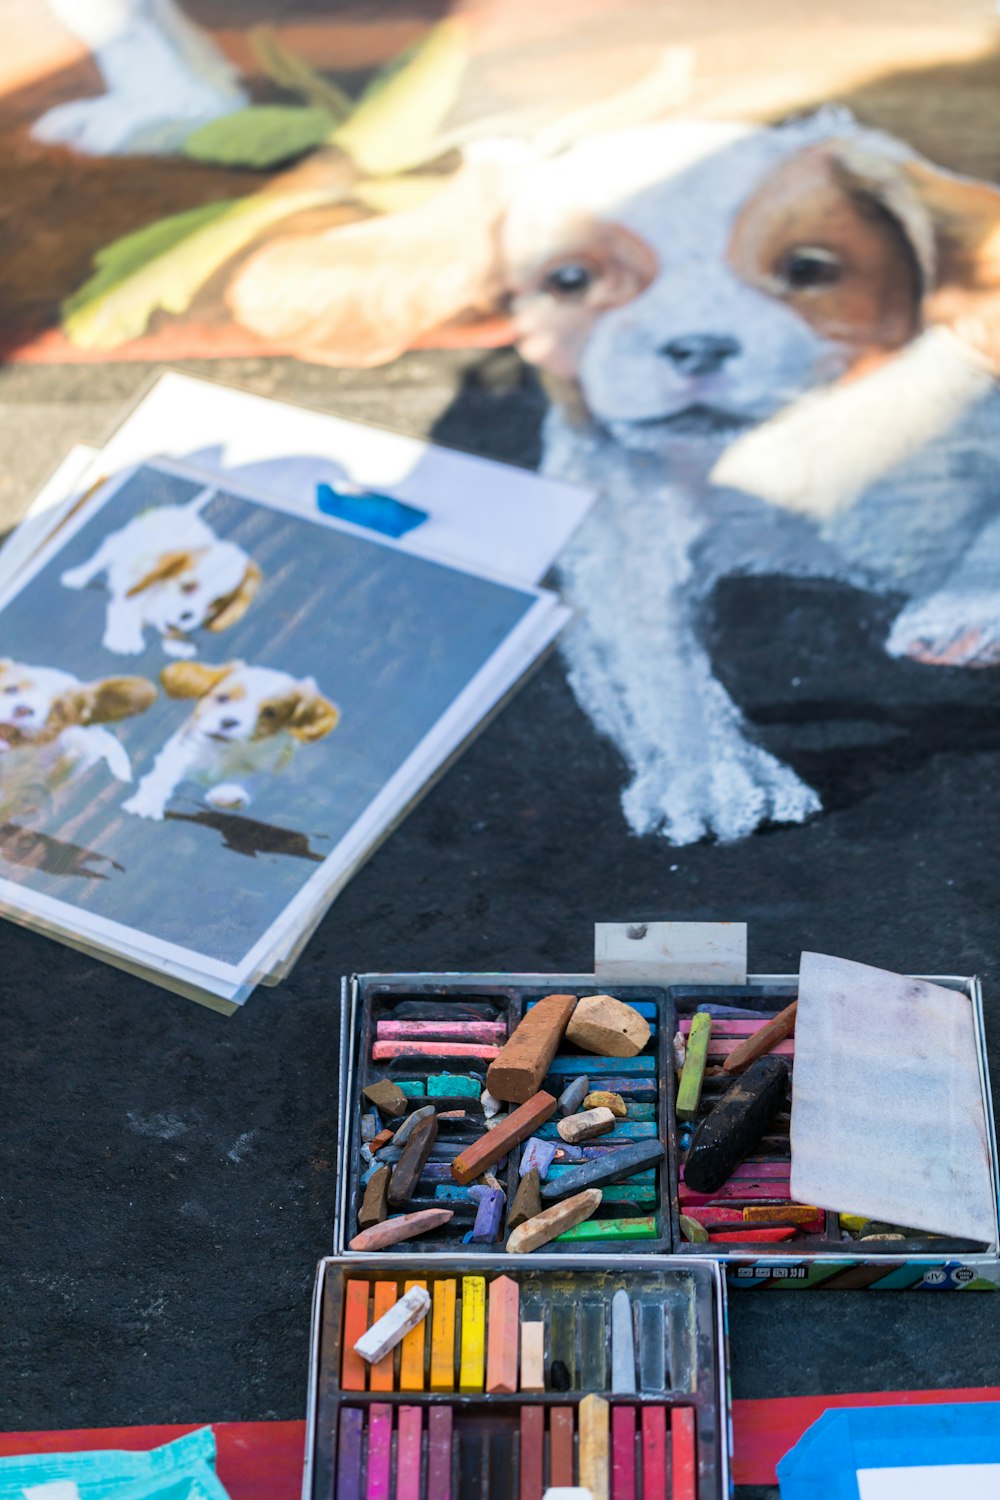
(688, 1299)
(640, 1224)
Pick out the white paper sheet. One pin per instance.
(508, 521)
(887, 1106)
(931, 1482)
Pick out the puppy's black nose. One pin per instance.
(228, 723)
(701, 353)
(22, 711)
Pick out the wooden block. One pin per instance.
(443, 1336)
(683, 1454)
(383, 1051)
(623, 1476)
(532, 1452)
(472, 1364)
(488, 1150)
(654, 1451)
(527, 1201)
(380, 1376)
(552, 1221)
(762, 1041)
(354, 1371)
(406, 1174)
(350, 1452)
(386, 1096)
(517, 1072)
(439, 1453)
(375, 1208)
(602, 1099)
(411, 1355)
(383, 1336)
(670, 952)
(533, 1357)
(379, 1452)
(561, 1447)
(583, 1127)
(409, 1442)
(402, 1227)
(455, 1031)
(503, 1327)
(607, 1026)
(693, 1074)
(594, 1456)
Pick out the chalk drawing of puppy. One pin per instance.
(247, 723)
(167, 569)
(50, 730)
(163, 76)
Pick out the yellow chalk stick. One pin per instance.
(472, 1370)
(443, 1336)
(411, 1356)
(595, 1468)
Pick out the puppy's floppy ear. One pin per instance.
(952, 224)
(167, 566)
(114, 698)
(235, 605)
(193, 679)
(361, 294)
(314, 716)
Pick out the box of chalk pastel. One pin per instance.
(492, 1114)
(448, 1380)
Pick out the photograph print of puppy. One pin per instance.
(168, 571)
(246, 724)
(51, 734)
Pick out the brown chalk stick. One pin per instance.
(608, 1027)
(552, 1221)
(375, 1207)
(488, 1150)
(762, 1040)
(527, 1200)
(410, 1165)
(387, 1097)
(402, 1227)
(524, 1059)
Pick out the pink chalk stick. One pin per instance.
(439, 1453)
(740, 1192)
(379, 1452)
(382, 1051)
(723, 1047)
(762, 1171)
(623, 1453)
(726, 1028)
(654, 1451)
(458, 1031)
(759, 1234)
(408, 1443)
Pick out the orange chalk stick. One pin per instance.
(503, 1327)
(488, 1150)
(354, 1371)
(762, 1040)
(381, 1377)
(411, 1354)
(683, 1454)
(443, 1335)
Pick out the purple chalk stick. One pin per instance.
(537, 1156)
(489, 1214)
(349, 1453)
(439, 1453)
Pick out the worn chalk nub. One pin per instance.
(583, 1127)
(554, 1221)
(393, 1326)
(608, 1027)
(573, 1095)
(622, 1345)
(517, 1072)
(402, 1227)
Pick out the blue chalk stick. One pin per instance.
(382, 513)
(563, 1067)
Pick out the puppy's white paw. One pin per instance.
(174, 647)
(143, 805)
(727, 798)
(228, 795)
(76, 578)
(131, 644)
(949, 629)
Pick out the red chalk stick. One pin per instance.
(408, 1443)
(379, 1452)
(439, 1453)
(683, 1454)
(751, 1236)
(456, 1031)
(382, 1051)
(623, 1453)
(654, 1450)
(354, 1371)
(524, 1121)
(532, 1452)
(561, 1447)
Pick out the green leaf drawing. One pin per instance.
(263, 135)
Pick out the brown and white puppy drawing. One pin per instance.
(777, 352)
(50, 730)
(247, 723)
(167, 569)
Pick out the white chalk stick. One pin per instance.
(394, 1325)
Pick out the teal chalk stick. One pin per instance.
(640, 1111)
(562, 1067)
(453, 1086)
(625, 1130)
(413, 1088)
(645, 1008)
(621, 1192)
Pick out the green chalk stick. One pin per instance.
(689, 1090)
(610, 1229)
(620, 1192)
(413, 1088)
(453, 1086)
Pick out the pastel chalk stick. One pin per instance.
(693, 1074)
(380, 1376)
(573, 1095)
(409, 1445)
(616, 1134)
(683, 1454)
(527, 1201)
(409, 1125)
(350, 1452)
(375, 1206)
(402, 1227)
(575, 1129)
(622, 1345)
(553, 1221)
(561, 1447)
(489, 1149)
(612, 1167)
(607, 1026)
(595, 1468)
(611, 1230)
(532, 1454)
(482, 1051)
(472, 1363)
(623, 1470)
(732, 1129)
(443, 1335)
(439, 1453)
(516, 1072)
(454, 1031)
(453, 1086)
(354, 1371)
(654, 1451)
(537, 1155)
(533, 1357)
(379, 1452)
(411, 1354)
(762, 1041)
(489, 1216)
(386, 1096)
(383, 1336)
(620, 1067)
(764, 1236)
(502, 1330)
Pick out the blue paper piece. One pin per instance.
(181, 1470)
(375, 512)
(825, 1461)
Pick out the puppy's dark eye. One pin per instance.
(222, 697)
(570, 280)
(14, 689)
(267, 713)
(808, 266)
(190, 587)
